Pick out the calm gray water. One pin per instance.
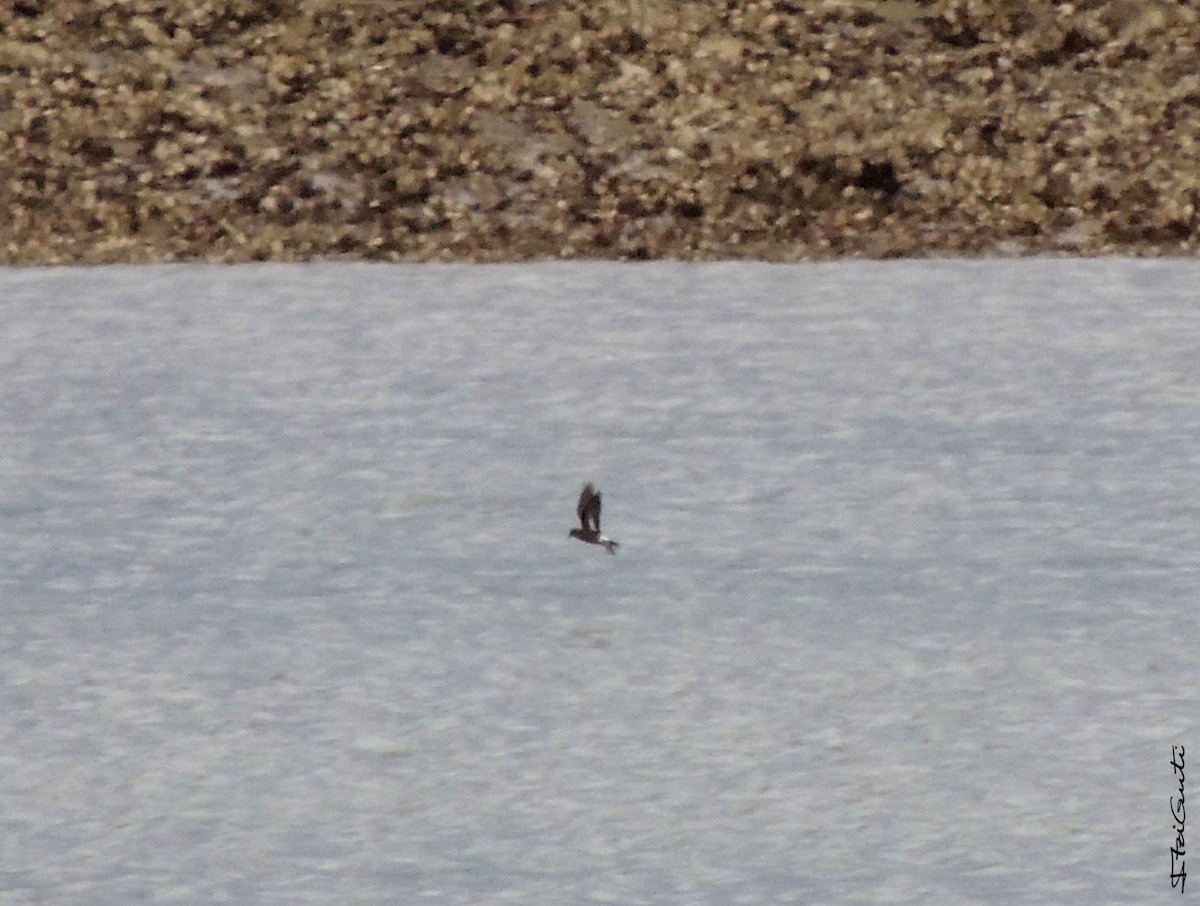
(905, 610)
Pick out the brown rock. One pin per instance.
(506, 129)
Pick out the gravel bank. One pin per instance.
(238, 130)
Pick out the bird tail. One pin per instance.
(610, 545)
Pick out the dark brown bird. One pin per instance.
(588, 511)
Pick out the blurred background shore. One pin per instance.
(242, 130)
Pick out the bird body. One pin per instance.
(588, 511)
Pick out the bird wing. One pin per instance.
(589, 508)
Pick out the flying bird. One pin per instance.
(588, 511)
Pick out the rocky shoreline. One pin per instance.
(243, 130)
